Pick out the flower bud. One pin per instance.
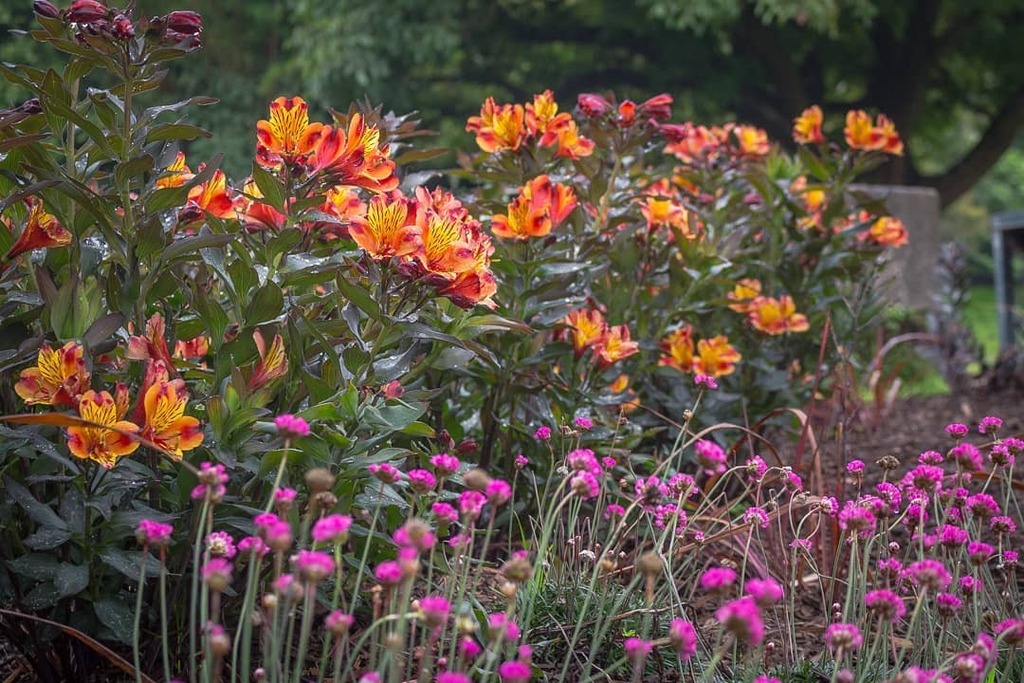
(650, 564)
(477, 479)
(86, 11)
(319, 479)
(185, 22)
(123, 28)
(45, 8)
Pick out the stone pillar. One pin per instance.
(912, 277)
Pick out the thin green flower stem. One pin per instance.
(165, 648)
(289, 638)
(304, 631)
(606, 624)
(913, 622)
(193, 610)
(136, 624)
(336, 598)
(244, 639)
(370, 630)
(366, 549)
(542, 547)
(460, 586)
(204, 605)
(882, 635)
(393, 662)
(709, 671)
(339, 652)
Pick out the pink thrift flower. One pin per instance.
(1002, 525)
(339, 623)
(471, 504)
(542, 433)
(1010, 558)
(585, 485)
(989, 425)
(332, 529)
(313, 565)
(470, 649)
(969, 585)
(421, 481)
(1000, 456)
(278, 536)
(886, 604)
(705, 381)
(498, 492)
(388, 573)
(649, 492)
(1014, 445)
(857, 520)
(855, 467)
(766, 679)
(583, 423)
(212, 480)
(217, 573)
(614, 510)
(608, 463)
(983, 506)
(953, 536)
(890, 569)
(755, 516)
(757, 468)
(515, 671)
(947, 605)
(521, 461)
(252, 545)
(930, 574)
(284, 498)
(637, 649)
(291, 426)
(220, 544)
(743, 619)
(930, 458)
(717, 579)
(582, 459)
(957, 430)
(710, 457)
(967, 457)
(435, 610)
(766, 592)
(683, 637)
(979, 552)
(384, 472)
(154, 534)
(265, 519)
(1011, 631)
(415, 534)
(444, 513)
(444, 464)
(843, 637)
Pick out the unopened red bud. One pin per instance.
(86, 11)
(45, 8)
(185, 22)
(467, 446)
(123, 28)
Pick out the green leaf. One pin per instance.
(266, 304)
(43, 596)
(20, 140)
(34, 566)
(128, 562)
(125, 171)
(358, 295)
(117, 616)
(102, 328)
(48, 538)
(272, 191)
(419, 429)
(176, 131)
(39, 512)
(71, 579)
(193, 243)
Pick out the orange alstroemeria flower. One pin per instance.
(255, 215)
(355, 157)
(587, 327)
(102, 444)
(539, 208)
(175, 175)
(541, 112)
(677, 348)
(153, 345)
(690, 143)
(273, 362)
(743, 294)
(477, 285)
(388, 229)
(197, 347)
(807, 126)
(498, 128)
(753, 141)
(614, 346)
(213, 198)
(572, 145)
(716, 357)
(167, 425)
(886, 231)
(887, 129)
(776, 316)
(288, 135)
(860, 132)
(344, 205)
(448, 247)
(58, 378)
(42, 229)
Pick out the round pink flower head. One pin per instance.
(388, 573)
(763, 678)
(855, 467)
(521, 461)
(649, 492)
(755, 516)
(953, 536)
(217, 573)
(947, 605)
(220, 544)
(288, 586)
(332, 529)
(1011, 631)
(444, 513)
(1002, 525)
(471, 504)
(637, 649)
(542, 433)
(284, 498)
(415, 534)
(434, 610)
(339, 623)
(252, 546)
(968, 457)
(370, 677)
(502, 628)
(979, 552)
(444, 464)
(583, 423)
(957, 430)
(265, 520)
(585, 485)
(153, 534)
(930, 458)
(1010, 558)
(1000, 456)
(614, 510)
(384, 472)
(469, 648)
(843, 638)
(969, 667)
(705, 381)
(498, 492)
(989, 425)
(291, 426)
(766, 592)
(885, 604)
(514, 671)
(278, 536)
(683, 637)
(983, 506)
(421, 481)
(969, 585)
(313, 565)
(609, 463)
(710, 456)
(212, 480)
(583, 459)
(929, 574)
(743, 619)
(717, 579)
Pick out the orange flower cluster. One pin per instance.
(42, 229)
(662, 207)
(814, 200)
(807, 126)
(743, 294)
(353, 157)
(887, 231)
(702, 144)
(627, 113)
(435, 236)
(60, 378)
(209, 198)
(588, 330)
(776, 316)
(506, 127)
(539, 208)
(861, 133)
(714, 357)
